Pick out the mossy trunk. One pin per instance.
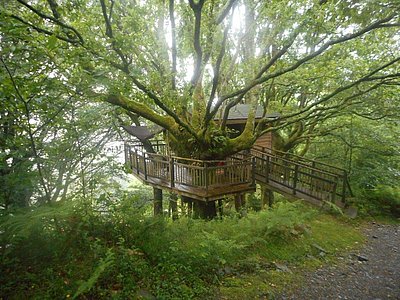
(204, 210)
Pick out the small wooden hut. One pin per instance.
(237, 119)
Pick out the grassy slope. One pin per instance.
(71, 250)
(335, 235)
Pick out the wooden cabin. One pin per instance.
(237, 119)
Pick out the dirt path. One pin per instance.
(371, 273)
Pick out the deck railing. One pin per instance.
(317, 180)
(175, 171)
(297, 176)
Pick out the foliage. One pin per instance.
(72, 249)
(368, 149)
(52, 138)
(87, 285)
(382, 199)
(182, 65)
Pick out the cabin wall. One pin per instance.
(265, 140)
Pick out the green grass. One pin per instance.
(71, 249)
(336, 236)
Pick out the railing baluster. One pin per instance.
(137, 161)
(206, 176)
(172, 171)
(145, 166)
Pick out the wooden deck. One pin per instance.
(304, 179)
(202, 180)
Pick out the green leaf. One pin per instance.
(51, 42)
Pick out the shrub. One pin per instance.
(382, 199)
(75, 249)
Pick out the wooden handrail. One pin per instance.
(256, 147)
(299, 177)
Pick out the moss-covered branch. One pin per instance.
(144, 111)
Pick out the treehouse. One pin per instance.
(237, 120)
(205, 181)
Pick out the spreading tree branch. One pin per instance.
(53, 19)
(376, 25)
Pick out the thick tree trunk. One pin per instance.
(267, 196)
(204, 210)
(157, 203)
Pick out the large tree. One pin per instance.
(184, 65)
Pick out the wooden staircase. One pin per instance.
(289, 175)
(297, 177)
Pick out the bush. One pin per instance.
(75, 249)
(382, 199)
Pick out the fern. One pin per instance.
(103, 265)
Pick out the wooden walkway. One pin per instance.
(300, 178)
(291, 176)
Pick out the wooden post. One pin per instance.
(206, 176)
(220, 208)
(145, 166)
(295, 178)
(253, 171)
(240, 202)
(126, 148)
(333, 196)
(204, 209)
(344, 187)
(267, 196)
(157, 203)
(172, 171)
(137, 161)
(173, 206)
(267, 169)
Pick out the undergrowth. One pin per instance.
(75, 250)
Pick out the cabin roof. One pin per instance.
(239, 114)
(142, 132)
(241, 111)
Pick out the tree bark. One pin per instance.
(204, 210)
(157, 204)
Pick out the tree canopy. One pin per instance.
(184, 65)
